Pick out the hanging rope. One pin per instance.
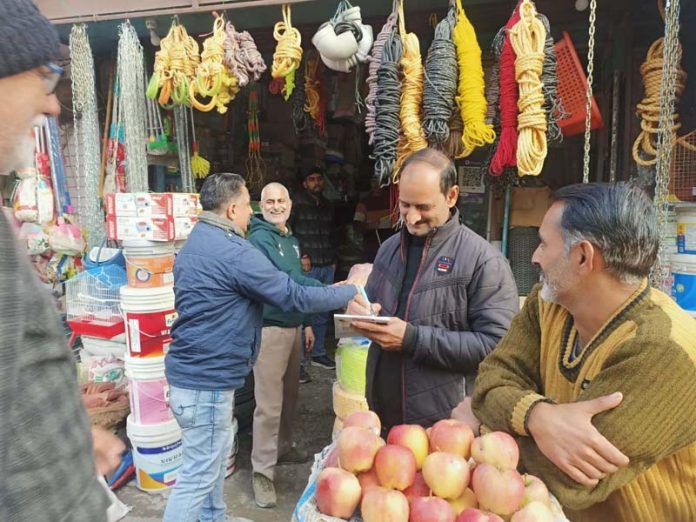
(440, 82)
(200, 167)
(300, 119)
(288, 53)
(528, 38)
(255, 166)
(314, 106)
(181, 117)
(242, 57)
(553, 106)
(506, 151)
(375, 60)
(386, 136)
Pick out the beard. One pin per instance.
(548, 292)
(276, 218)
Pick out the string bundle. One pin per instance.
(300, 119)
(506, 151)
(213, 79)
(386, 135)
(255, 166)
(315, 106)
(471, 98)
(242, 57)
(553, 105)
(288, 53)
(440, 82)
(528, 38)
(375, 59)
(175, 66)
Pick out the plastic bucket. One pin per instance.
(686, 229)
(351, 361)
(684, 281)
(232, 454)
(157, 453)
(149, 264)
(148, 314)
(149, 391)
(669, 231)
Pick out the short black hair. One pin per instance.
(219, 189)
(316, 169)
(437, 159)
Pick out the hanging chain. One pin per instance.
(590, 80)
(666, 134)
(86, 124)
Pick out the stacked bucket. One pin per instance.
(683, 262)
(349, 388)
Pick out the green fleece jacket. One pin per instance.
(283, 250)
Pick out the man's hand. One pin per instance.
(389, 336)
(564, 433)
(358, 306)
(306, 263)
(359, 274)
(465, 414)
(107, 450)
(308, 339)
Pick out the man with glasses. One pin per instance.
(47, 469)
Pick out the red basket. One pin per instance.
(572, 90)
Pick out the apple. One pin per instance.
(368, 479)
(499, 491)
(384, 505)
(338, 493)
(364, 419)
(446, 474)
(418, 489)
(466, 500)
(533, 512)
(535, 490)
(496, 448)
(475, 515)
(452, 436)
(395, 467)
(357, 448)
(413, 437)
(430, 509)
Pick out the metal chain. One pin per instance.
(182, 143)
(130, 76)
(666, 134)
(86, 125)
(590, 79)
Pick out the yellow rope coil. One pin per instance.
(312, 87)
(288, 52)
(413, 137)
(648, 110)
(213, 79)
(471, 98)
(528, 37)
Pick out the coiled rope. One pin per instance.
(242, 57)
(255, 166)
(648, 110)
(441, 77)
(288, 52)
(386, 136)
(314, 106)
(300, 119)
(528, 38)
(553, 105)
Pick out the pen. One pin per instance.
(364, 294)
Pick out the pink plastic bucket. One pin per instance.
(149, 391)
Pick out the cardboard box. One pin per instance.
(528, 206)
(155, 205)
(153, 229)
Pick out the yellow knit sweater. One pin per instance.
(647, 351)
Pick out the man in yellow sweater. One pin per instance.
(597, 374)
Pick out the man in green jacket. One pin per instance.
(277, 370)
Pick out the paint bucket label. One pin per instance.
(157, 466)
(150, 272)
(684, 290)
(150, 401)
(147, 333)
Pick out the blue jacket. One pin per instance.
(221, 283)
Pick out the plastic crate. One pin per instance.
(572, 90)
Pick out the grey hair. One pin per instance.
(617, 218)
(438, 160)
(219, 189)
(276, 185)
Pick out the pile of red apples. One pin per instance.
(442, 474)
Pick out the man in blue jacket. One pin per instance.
(221, 285)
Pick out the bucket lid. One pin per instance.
(143, 247)
(142, 364)
(151, 430)
(132, 294)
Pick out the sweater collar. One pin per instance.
(220, 222)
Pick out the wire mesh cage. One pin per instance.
(682, 179)
(92, 301)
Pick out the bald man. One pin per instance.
(277, 370)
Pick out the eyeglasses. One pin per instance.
(51, 77)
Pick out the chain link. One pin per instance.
(666, 135)
(86, 124)
(590, 80)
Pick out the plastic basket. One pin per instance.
(572, 90)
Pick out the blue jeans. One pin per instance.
(205, 418)
(320, 322)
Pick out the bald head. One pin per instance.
(276, 205)
(274, 189)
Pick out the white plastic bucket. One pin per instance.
(684, 281)
(157, 453)
(232, 454)
(149, 315)
(669, 231)
(686, 229)
(149, 263)
(149, 391)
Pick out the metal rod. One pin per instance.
(613, 158)
(506, 221)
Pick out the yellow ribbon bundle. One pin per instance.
(288, 53)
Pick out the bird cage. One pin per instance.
(682, 178)
(92, 302)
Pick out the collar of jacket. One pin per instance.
(260, 223)
(220, 222)
(436, 235)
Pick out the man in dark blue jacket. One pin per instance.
(221, 285)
